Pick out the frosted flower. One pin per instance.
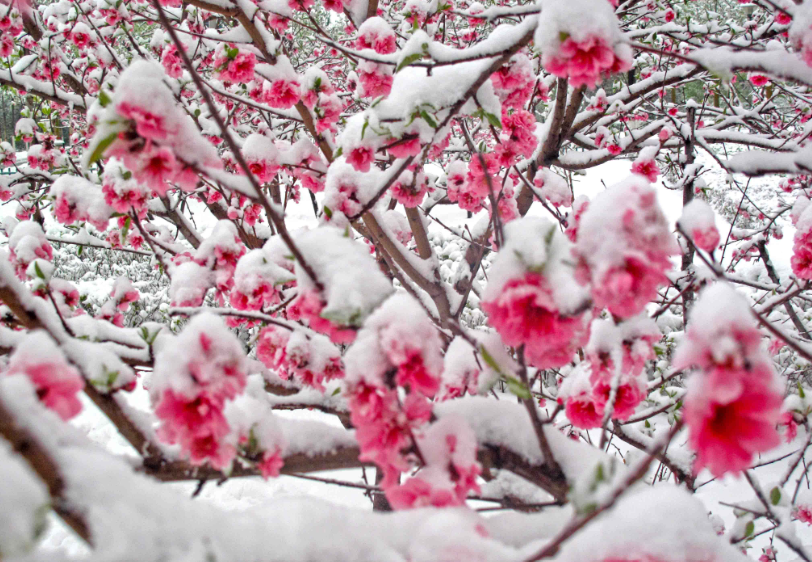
(584, 62)
(55, 381)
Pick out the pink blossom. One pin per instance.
(731, 416)
(476, 181)
(623, 247)
(706, 239)
(197, 425)
(405, 148)
(57, 383)
(525, 313)
(803, 513)
(801, 260)
(416, 492)
(171, 61)
(584, 411)
(271, 345)
(308, 306)
(584, 62)
(271, 464)
(6, 45)
(646, 167)
(238, 70)
(759, 80)
(158, 167)
(283, 94)
(80, 39)
(148, 125)
(375, 79)
(513, 83)
(361, 158)
(376, 34)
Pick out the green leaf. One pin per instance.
(599, 475)
(493, 120)
(103, 145)
(38, 271)
(104, 98)
(517, 387)
(775, 495)
(364, 129)
(801, 392)
(414, 57)
(428, 119)
(336, 391)
(489, 360)
(339, 152)
(328, 211)
(749, 529)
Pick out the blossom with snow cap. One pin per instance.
(532, 298)
(195, 375)
(623, 247)
(733, 404)
(580, 40)
(699, 222)
(55, 381)
(352, 284)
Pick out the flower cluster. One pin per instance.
(532, 299)
(623, 247)
(56, 383)
(194, 377)
(733, 405)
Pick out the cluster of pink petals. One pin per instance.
(706, 239)
(646, 167)
(282, 94)
(479, 176)
(376, 79)
(801, 260)
(194, 418)
(517, 138)
(732, 415)
(803, 513)
(361, 158)
(384, 427)
(380, 38)
(525, 313)
(308, 306)
(20, 263)
(154, 165)
(733, 405)
(451, 469)
(514, 81)
(171, 61)
(457, 188)
(584, 62)
(629, 218)
(125, 197)
(626, 289)
(303, 359)
(55, 381)
(197, 425)
(264, 169)
(238, 70)
(410, 189)
(263, 294)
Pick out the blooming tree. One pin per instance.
(372, 214)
